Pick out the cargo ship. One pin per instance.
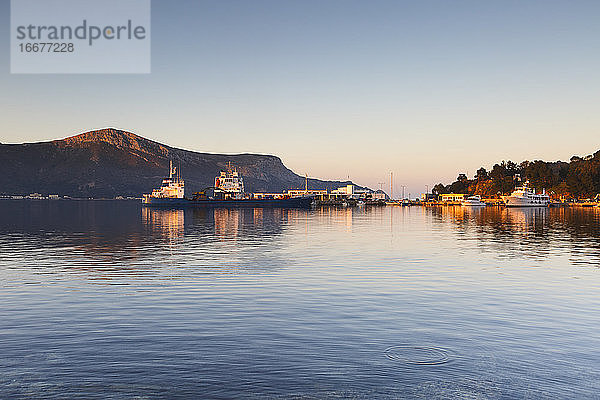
(228, 191)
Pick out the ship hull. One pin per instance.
(295, 202)
(520, 202)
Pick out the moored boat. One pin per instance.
(523, 196)
(473, 201)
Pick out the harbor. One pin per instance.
(300, 200)
(229, 191)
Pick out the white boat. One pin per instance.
(230, 182)
(472, 201)
(227, 192)
(172, 187)
(523, 196)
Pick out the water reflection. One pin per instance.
(113, 239)
(106, 299)
(349, 216)
(104, 240)
(529, 232)
(169, 223)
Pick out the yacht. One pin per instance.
(523, 196)
(472, 201)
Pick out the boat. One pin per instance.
(524, 196)
(172, 187)
(473, 201)
(228, 192)
(586, 203)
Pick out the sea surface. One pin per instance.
(107, 300)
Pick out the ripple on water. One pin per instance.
(418, 355)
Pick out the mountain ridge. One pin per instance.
(110, 162)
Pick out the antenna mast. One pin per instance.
(306, 183)
(391, 185)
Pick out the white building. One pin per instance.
(352, 191)
(379, 195)
(300, 192)
(453, 197)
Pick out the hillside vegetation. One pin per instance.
(578, 178)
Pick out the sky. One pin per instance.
(338, 89)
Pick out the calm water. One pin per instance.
(108, 300)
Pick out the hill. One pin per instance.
(112, 162)
(578, 178)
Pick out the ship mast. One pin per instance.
(391, 185)
(306, 183)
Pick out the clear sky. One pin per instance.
(339, 88)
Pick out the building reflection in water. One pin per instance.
(349, 216)
(531, 232)
(233, 223)
(219, 223)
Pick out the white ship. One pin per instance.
(227, 192)
(472, 201)
(523, 196)
(172, 187)
(230, 182)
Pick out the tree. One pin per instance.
(439, 189)
(498, 172)
(481, 174)
(579, 178)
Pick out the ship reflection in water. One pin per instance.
(221, 223)
(169, 223)
(528, 232)
(109, 300)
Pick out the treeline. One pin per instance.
(579, 178)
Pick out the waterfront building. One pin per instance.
(427, 197)
(453, 197)
(379, 195)
(351, 191)
(301, 192)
